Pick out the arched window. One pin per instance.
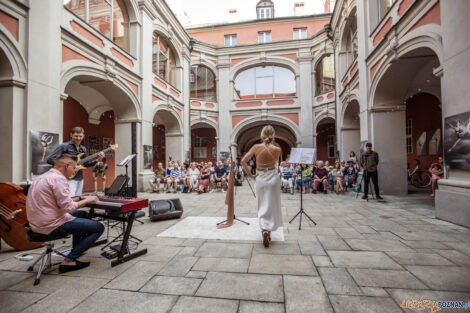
(325, 75)
(348, 52)
(109, 17)
(203, 85)
(163, 59)
(265, 82)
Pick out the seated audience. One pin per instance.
(205, 179)
(337, 175)
(320, 177)
(287, 181)
(220, 174)
(305, 177)
(437, 172)
(158, 177)
(193, 177)
(174, 179)
(350, 174)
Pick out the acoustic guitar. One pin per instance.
(81, 161)
(13, 217)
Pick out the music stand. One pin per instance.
(302, 156)
(125, 163)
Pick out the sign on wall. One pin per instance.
(435, 142)
(106, 143)
(42, 145)
(457, 141)
(93, 144)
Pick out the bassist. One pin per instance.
(74, 147)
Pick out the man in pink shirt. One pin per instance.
(51, 211)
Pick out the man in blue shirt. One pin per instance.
(174, 178)
(220, 174)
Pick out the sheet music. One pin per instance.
(302, 155)
(126, 160)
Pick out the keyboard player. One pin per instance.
(51, 210)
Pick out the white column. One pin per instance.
(44, 107)
(186, 112)
(304, 90)
(225, 101)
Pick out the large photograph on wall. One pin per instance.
(457, 141)
(42, 145)
(148, 157)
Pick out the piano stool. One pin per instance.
(46, 257)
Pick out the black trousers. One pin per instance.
(375, 179)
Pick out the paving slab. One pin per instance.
(12, 278)
(282, 264)
(425, 235)
(196, 274)
(305, 294)
(172, 285)
(222, 265)
(242, 286)
(256, 307)
(348, 232)
(136, 276)
(338, 281)
(225, 250)
(362, 259)
(454, 256)
(204, 305)
(120, 301)
(425, 244)
(278, 248)
(374, 292)
(385, 278)
(311, 248)
(321, 261)
(333, 243)
(406, 258)
(178, 266)
(363, 304)
(377, 245)
(17, 301)
(162, 253)
(443, 277)
(401, 297)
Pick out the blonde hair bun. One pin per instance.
(267, 134)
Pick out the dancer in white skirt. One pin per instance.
(268, 182)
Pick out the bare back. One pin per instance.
(267, 156)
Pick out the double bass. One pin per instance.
(13, 217)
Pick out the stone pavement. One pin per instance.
(361, 257)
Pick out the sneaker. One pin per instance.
(168, 191)
(68, 268)
(212, 190)
(364, 197)
(314, 191)
(291, 192)
(379, 197)
(158, 191)
(153, 191)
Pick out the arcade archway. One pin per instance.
(350, 130)
(400, 130)
(326, 139)
(167, 137)
(203, 143)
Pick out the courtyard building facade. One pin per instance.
(129, 73)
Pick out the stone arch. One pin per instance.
(350, 128)
(110, 85)
(161, 106)
(259, 61)
(323, 115)
(13, 55)
(205, 120)
(163, 31)
(269, 118)
(207, 64)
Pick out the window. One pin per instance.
(265, 82)
(409, 136)
(203, 84)
(331, 141)
(382, 8)
(109, 17)
(230, 40)
(200, 147)
(348, 52)
(300, 33)
(264, 37)
(163, 59)
(264, 13)
(325, 75)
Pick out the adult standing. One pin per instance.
(369, 162)
(74, 147)
(267, 182)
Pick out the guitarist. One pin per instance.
(74, 147)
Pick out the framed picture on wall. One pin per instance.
(106, 143)
(421, 144)
(457, 141)
(214, 152)
(148, 158)
(435, 142)
(42, 145)
(93, 144)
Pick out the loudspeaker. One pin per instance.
(160, 210)
(116, 189)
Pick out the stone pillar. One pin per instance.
(174, 146)
(123, 137)
(453, 195)
(388, 139)
(146, 127)
(304, 91)
(350, 141)
(225, 101)
(44, 107)
(187, 107)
